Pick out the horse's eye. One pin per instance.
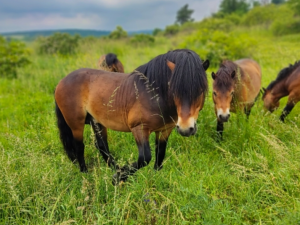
(215, 94)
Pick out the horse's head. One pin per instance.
(271, 103)
(187, 108)
(223, 91)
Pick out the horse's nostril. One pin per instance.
(192, 129)
(177, 126)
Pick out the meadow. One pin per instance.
(251, 177)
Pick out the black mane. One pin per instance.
(111, 59)
(284, 73)
(187, 82)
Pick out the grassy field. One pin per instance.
(252, 177)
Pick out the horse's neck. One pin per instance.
(280, 89)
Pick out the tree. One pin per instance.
(184, 15)
(118, 33)
(13, 55)
(295, 4)
(234, 6)
(277, 2)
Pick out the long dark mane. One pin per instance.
(224, 78)
(284, 73)
(187, 82)
(111, 59)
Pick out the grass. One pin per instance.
(252, 177)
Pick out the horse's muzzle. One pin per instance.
(224, 118)
(187, 132)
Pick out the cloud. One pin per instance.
(96, 14)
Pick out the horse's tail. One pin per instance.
(111, 59)
(65, 134)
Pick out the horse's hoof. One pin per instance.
(83, 169)
(119, 177)
(156, 167)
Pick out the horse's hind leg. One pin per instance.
(101, 142)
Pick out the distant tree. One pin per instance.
(256, 3)
(295, 4)
(171, 30)
(234, 6)
(118, 33)
(13, 55)
(277, 2)
(184, 15)
(156, 31)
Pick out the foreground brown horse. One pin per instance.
(287, 83)
(111, 63)
(235, 87)
(166, 92)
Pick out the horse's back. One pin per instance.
(251, 77)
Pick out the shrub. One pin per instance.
(142, 39)
(171, 30)
(156, 31)
(265, 15)
(13, 55)
(59, 43)
(118, 33)
(218, 45)
(286, 26)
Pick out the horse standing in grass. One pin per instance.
(111, 63)
(236, 86)
(287, 83)
(167, 92)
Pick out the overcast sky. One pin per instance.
(132, 15)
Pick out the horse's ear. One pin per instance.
(171, 65)
(205, 64)
(233, 74)
(213, 75)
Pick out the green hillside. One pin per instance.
(251, 177)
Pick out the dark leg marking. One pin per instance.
(143, 160)
(160, 151)
(79, 148)
(220, 128)
(288, 108)
(101, 143)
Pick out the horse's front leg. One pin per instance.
(141, 136)
(220, 128)
(161, 142)
(292, 100)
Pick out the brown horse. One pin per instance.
(287, 83)
(236, 86)
(166, 92)
(111, 63)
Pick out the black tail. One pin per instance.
(111, 59)
(65, 134)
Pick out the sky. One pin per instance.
(132, 15)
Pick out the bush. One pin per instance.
(142, 39)
(265, 15)
(13, 55)
(171, 30)
(217, 45)
(286, 26)
(118, 33)
(59, 43)
(156, 31)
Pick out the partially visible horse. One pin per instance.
(287, 83)
(236, 86)
(111, 63)
(167, 92)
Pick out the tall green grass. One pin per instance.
(252, 177)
